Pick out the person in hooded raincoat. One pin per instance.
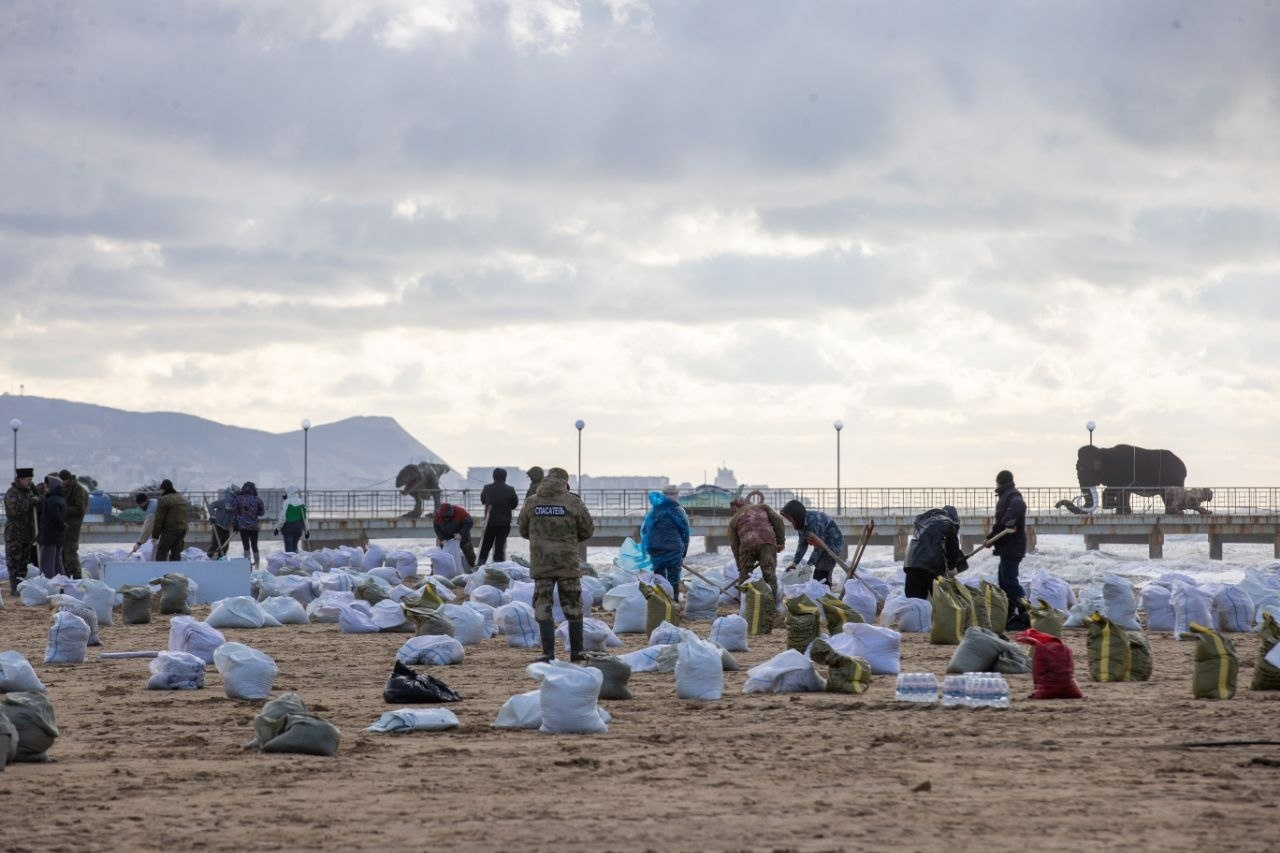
(222, 518)
(934, 551)
(812, 521)
(535, 479)
(664, 536)
(249, 508)
(293, 520)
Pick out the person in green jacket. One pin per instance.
(170, 528)
(293, 520)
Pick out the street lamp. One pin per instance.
(839, 425)
(306, 430)
(579, 424)
(15, 425)
(1091, 426)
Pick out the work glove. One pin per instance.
(962, 564)
(275, 531)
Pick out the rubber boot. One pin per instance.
(575, 641)
(548, 632)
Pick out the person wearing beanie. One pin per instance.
(557, 524)
(813, 522)
(664, 536)
(500, 501)
(935, 550)
(21, 511)
(170, 528)
(77, 497)
(535, 479)
(1011, 514)
(453, 522)
(53, 524)
(148, 523)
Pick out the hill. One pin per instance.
(123, 449)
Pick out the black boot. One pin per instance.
(548, 632)
(575, 641)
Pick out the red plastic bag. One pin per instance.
(1052, 666)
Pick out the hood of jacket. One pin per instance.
(552, 487)
(499, 475)
(248, 489)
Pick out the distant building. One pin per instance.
(620, 483)
(725, 479)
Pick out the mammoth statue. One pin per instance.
(421, 481)
(1123, 470)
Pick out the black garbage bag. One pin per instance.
(406, 685)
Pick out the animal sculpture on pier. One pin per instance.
(1123, 471)
(421, 481)
(1177, 500)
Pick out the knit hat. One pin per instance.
(64, 474)
(1004, 478)
(671, 490)
(559, 473)
(535, 473)
(141, 499)
(794, 512)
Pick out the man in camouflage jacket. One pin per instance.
(21, 508)
(555, 522)
(77, 504)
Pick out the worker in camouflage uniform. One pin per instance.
(77, 505)
(555, 522)
(756, 534)
(21, 508)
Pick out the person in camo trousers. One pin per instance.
(21, 509)
(756, 534)
(77, 504)
(556, 522)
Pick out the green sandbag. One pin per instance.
(1216, 666)
(1047, 619)
(845, 674)
(803, 622)
(135, 606)
(1139, 656)
(285, 725)
(1110, 656)
(31, 715)
(836, 612)
(760, 608)
(371, 592)
(426, 598)
(952, 612)
(8, 740)
(617, 673)
(660, 608)
(728, 663)
(496, 578)
(429, 621)
(992, 601)
(173, 593)
(1266, 676)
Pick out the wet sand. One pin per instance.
(135, 769)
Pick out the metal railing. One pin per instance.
(853, 501)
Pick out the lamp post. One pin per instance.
(1091, 426)
(578, 425)
(15, 425)
(306, 430)
(839, 425)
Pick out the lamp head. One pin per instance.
(839, 425)
(306, 424)
(579, 424)
(15, 424)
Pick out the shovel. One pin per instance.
(851, 570)
(985, 545)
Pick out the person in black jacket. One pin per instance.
(53, 526)
(934, 551)
(500, 501)
(1011, 513)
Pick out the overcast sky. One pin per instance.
(708, 228)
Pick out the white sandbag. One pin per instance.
(247, 673)
(728, 584)
(644, 660)
(68, 639)
(239, 611)
(453, 548)
(176, 671)
(666, 634)
(880, 647)
(17, 675)
(100, 597)
(596, 636)
(431, 649)
(788, 672)
(907, 615)
(443, 564)
(356, 617)
(328, 606)
(652, 579)
(593, 589)
(730, 633)
(522, 711)
(567, 697)
(631, 609)
(405, 562)
(297, 588)
(468, 625)
(415, 720)
(1119, 603)
(284, 610)
(815, 590)
(388, 615)
(489, 595)
(699, 674)
(1191, 605)
(1051, 588)
(1234, 608)
(1091, 601)
(861, 600)
(374, 556)
(71, 604)
(878, 587)
(521, 591)
(516, 620)
(1261, 586)
(188, 635)
(700, 601)
(35, 592)
(338, 581)
(792, 577)
(487, 614)
(1157, 604)
(386, 574)
(557, 613)
(1168, 579)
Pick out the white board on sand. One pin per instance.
(216, 579)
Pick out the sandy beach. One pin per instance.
(146, 770)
